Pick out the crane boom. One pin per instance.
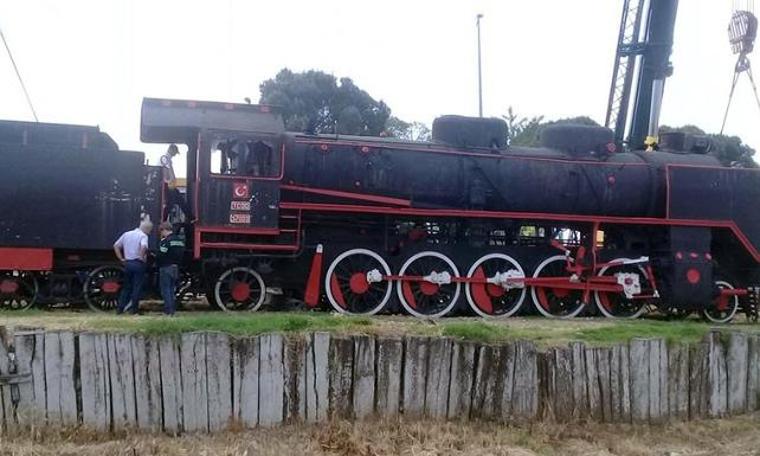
(642, 63)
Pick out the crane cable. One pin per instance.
(18, 75)
(742, 66)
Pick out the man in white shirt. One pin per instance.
(132, 250)
(173, 195)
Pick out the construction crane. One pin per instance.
(642, 63)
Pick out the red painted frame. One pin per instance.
(538, 216)
(26, 259)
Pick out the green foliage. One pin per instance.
(409, 131)
(316, 102)
(526, 132)
(522, 131)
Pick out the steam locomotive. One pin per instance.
(463, 224)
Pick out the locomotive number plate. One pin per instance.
(240, 218)
(240, 205)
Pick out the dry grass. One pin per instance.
(730, 437)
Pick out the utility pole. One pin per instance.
(480, 73)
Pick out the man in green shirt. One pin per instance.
(171, 249)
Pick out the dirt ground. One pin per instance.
(738, 436)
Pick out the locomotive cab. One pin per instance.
(235, 164)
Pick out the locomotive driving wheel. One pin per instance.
(239, 288)
(354, 282)
(556, 302)
(434, 294)
(18, 290)
(618, 305)
(723, 308)
(102, 288)
(502, 295)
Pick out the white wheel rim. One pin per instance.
(331, 269)
(734, 308)
(533, 294)
(468, 286)
(598, 300)
(457, 288)
(259, 281)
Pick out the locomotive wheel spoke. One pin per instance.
(617, 305)
(25, 293)
(347, 287)
(423, 298)
(96, 295)
(239, 288)
(556, 302)
(491, 300)
(723, 308)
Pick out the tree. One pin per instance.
(410, 131)
(526, 132)
(316, 102)
(522, 131)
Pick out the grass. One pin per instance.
(673, 332)
(476, 331)
(545, 332)
(246, 324)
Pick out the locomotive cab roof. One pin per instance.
(164, 120)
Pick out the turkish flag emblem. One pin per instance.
(240, 190)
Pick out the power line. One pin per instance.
(18, 74)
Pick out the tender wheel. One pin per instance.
(436, 294)
(617, 305)
(556, 302)
(18, 290)
(239, 288)
(724, 308)
(103, 287)
(354, 282)
(499, 297)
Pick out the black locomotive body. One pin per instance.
(464, 223)
(66, 193)
(69, 187)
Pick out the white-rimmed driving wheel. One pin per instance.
(239, 288)
(433, 293)
(556, 302)
(502, 293)
(723, 308)
(355, 282)
(618, 305)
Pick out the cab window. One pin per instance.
(245, 157)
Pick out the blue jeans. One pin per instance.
(134, 276)
(167, 279)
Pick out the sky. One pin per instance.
(92, 61)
